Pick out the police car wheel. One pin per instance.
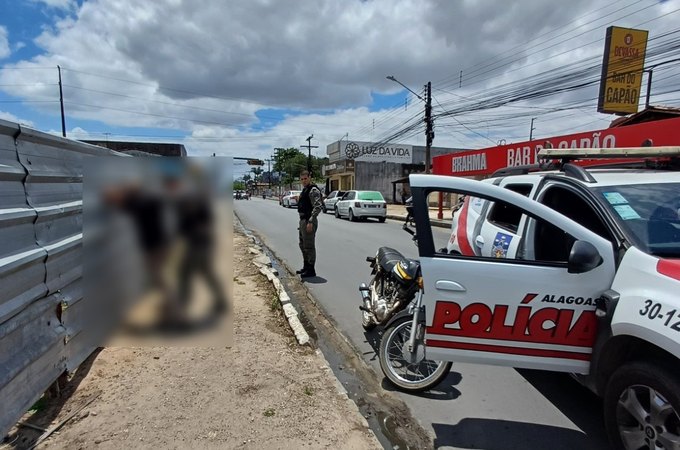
(642, 407)
(337, 213)
(381, 219)
(351, 216)
(409, 372)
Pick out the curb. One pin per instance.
(264, 263)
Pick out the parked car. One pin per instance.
(572, 270)
(241, 195)
(290, 199)
(361, 204)
(330, 201)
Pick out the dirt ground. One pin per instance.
(265, 391)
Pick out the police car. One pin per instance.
(575, 269)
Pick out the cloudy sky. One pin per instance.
(242, 77)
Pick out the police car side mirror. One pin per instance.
(583, 257)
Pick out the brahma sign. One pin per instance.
(486, 161)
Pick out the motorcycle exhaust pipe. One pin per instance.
(365, 292)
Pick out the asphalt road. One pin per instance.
(481, 407)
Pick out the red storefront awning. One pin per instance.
(486, 161)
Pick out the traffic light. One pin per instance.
(255, 162)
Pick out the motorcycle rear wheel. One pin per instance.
(408, 376)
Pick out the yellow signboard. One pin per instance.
(624, 59)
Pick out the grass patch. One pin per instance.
(275, 304)
(309, 391)
(269, 412)
(38, 406)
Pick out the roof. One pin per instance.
(609, 177)
(650, 114)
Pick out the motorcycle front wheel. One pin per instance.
(408, 371)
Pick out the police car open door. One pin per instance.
(530, 304)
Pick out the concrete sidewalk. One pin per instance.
(398, 212)
(261, 391)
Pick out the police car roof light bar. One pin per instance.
(620, 152)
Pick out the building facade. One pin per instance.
(375, 167)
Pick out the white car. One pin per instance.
(571, 270)
(330, 201)
(290, 199)
(356, 205)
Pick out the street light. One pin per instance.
(429, 126)
(391, 78)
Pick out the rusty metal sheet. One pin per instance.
(46, 324)
(32, 358)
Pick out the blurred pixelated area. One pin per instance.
(158, 242)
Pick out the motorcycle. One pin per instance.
(393, 301)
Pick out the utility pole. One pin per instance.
(429, 127)
(650, 71)
(61, 102)
(309, 153)
(278, 159)
(269, 176)
(531, 131)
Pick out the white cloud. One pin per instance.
(4, 43)
(59, 4)
(12, 118)
(327, 54)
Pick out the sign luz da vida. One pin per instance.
(368, 152)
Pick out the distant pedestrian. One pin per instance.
(404, 196)
(309, 207)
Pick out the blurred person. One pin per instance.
(195, 220)
(147, 209)
(309, 207)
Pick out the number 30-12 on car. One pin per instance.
(654, 311)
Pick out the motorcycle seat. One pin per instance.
(388, 258)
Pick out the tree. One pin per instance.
(257, 171)
(239, 186)
(293, 161)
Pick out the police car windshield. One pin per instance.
(648, 213)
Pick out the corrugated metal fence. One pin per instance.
(43, 330)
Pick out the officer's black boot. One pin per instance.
(303, 270)
(308, 273)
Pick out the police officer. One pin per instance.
(309, 207)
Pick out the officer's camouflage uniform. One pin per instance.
(309, 207)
